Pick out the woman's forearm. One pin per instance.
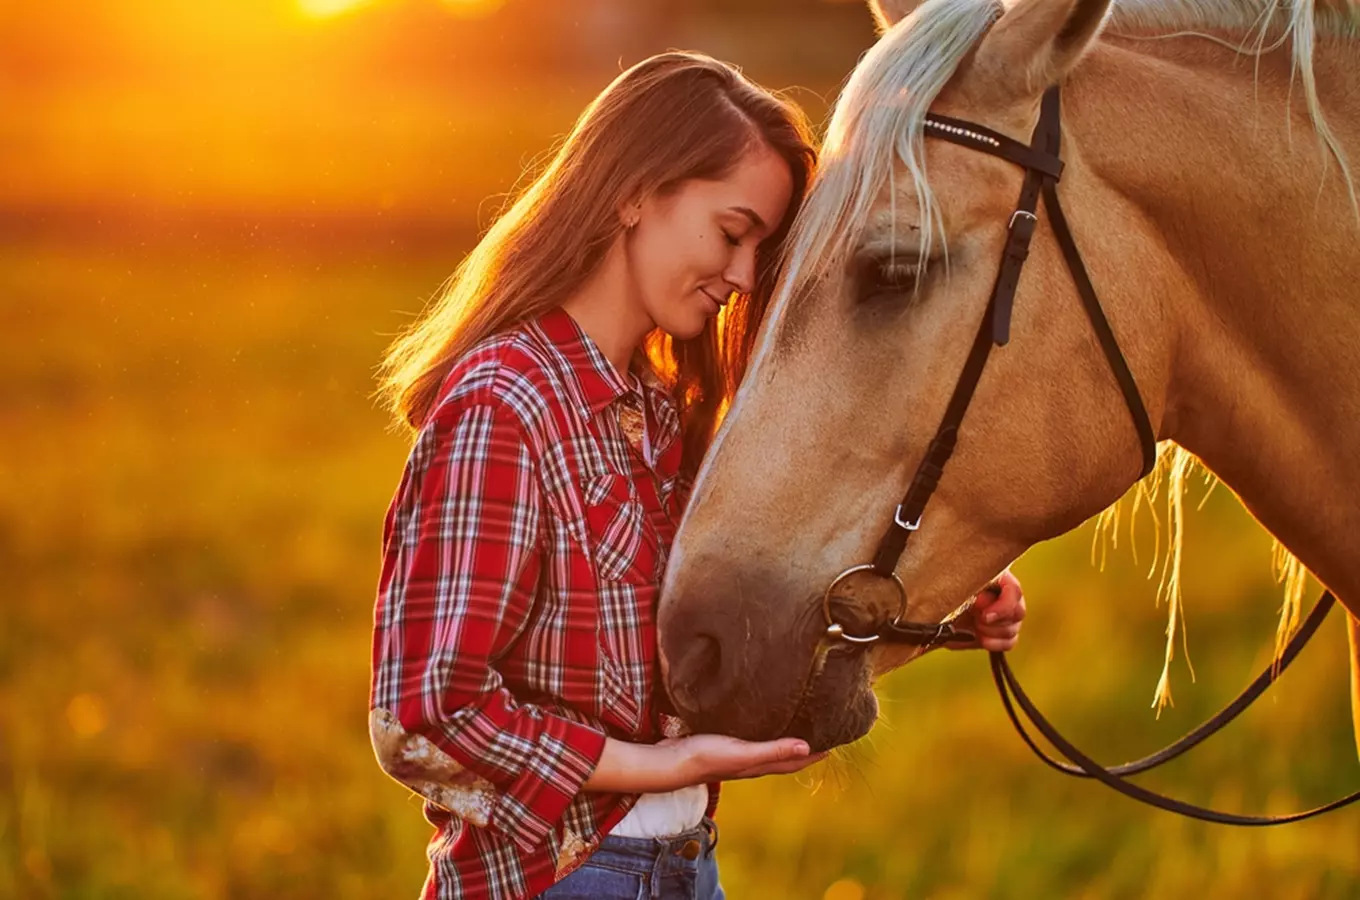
(638, 769)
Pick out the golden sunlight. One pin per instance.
(322, 9)
(471, 8)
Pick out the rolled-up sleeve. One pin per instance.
(461, 561)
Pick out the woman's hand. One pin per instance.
(995, 616)
(717, 757)
(698, 759)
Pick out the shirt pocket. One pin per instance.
(623, 543)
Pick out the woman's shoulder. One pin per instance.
(506, 371)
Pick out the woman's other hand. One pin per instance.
(995, 616)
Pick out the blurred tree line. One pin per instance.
(390, 117)
(419, 41)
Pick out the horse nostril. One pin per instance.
(696, 677)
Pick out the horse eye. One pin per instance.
(885, 278)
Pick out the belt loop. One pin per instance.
(663, 860)
(711, 827)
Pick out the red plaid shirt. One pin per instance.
(522, 557)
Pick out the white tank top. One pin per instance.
(663, 815)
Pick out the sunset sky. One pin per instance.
(407, 108)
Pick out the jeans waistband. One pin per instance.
(644, 856)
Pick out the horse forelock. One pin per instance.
(878, 121)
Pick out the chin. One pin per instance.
(839, 706)
(682, 326)
(686, 331)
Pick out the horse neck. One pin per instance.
(1258, 248)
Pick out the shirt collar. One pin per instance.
(590, 376)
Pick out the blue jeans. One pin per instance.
(674, 868)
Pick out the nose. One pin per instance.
(700, 676)
(736, 654)
(741, 272)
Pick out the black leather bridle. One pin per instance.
(1043, 167)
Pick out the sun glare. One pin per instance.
(323, 9)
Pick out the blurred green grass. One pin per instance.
(191, 497)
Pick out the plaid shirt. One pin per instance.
(522, 557)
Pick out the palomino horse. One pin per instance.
(1207, 187)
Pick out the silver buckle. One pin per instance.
(1022, 212)
(908, 526)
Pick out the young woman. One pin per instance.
(562, 392)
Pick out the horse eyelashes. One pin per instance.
(886, 278)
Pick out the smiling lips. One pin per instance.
(716, 302)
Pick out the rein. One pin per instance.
(1043, 167)
(1116, 776)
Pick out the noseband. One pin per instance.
(1043, 168)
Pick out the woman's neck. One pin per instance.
(606, 308)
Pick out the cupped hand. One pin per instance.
(717, 757)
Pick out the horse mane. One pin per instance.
(878, 121)
(1270, 18)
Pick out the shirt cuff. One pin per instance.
(535, 801)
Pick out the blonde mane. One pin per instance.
(879, 117)
(878, 121)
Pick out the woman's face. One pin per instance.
(692, 247)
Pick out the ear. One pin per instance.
(1036, 43)
(888, 13)
(629, 210)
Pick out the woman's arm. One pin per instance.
(697, 759)
(461, 562)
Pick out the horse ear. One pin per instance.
(888, 13)
(1036, 43)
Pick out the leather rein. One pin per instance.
(1043, 168)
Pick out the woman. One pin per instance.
(562, 392)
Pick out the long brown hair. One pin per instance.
(668, 119)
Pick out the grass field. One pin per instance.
(191, 494)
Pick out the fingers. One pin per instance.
(719, 757)
(782, 750)
(1004, 606)
(787, 767)
(724, 755)
(996, 614)
(1000, 639)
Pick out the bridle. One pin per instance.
(1043, 168)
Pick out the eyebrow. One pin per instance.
(751, 214)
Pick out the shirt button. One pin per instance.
(689, 850)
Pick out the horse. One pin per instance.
(1207, 184)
